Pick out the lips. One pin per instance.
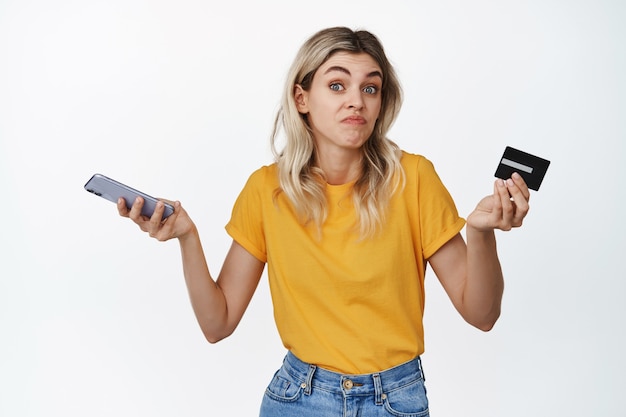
(354, 120)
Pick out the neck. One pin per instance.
(340, 168)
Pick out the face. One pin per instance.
(343, 102)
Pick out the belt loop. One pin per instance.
(419, 364)
(309, 379)
(378, 389)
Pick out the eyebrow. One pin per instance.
(346, 71)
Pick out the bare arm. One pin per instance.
(471, 274)
(218, 306)
(472, 278)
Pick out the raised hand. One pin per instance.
(175, 226)
(504, 209)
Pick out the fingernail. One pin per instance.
(516, 175)
(501, 183)
(510, 182)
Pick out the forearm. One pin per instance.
(484, 286)
(207, 299)
(471, 273)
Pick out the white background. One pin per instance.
(178, 99)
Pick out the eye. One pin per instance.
(370, 89)
(336, 87)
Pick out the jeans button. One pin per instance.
(348, 384)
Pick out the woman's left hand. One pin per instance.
(504, 209)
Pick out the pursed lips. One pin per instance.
(354, 120)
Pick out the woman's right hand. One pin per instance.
(177, 225)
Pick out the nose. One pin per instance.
(355, 100)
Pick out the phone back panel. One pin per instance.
(112, 190)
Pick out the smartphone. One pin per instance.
(112, 190)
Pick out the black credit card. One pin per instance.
(530, 167)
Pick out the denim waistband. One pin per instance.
(314, 377)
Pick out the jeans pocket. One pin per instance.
(408, 401)
(283, 387)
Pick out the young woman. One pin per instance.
(346, 222)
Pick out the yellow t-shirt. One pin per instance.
(343, 304)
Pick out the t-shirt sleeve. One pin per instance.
(439, 218)
(246, 222)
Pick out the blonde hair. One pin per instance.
(299, 176)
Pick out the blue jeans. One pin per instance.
(299, 389)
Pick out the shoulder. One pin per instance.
(266, 175)
(413, 163)
(265, 171)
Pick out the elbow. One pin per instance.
(485, 323)
(213, 340)
(214, 337)
(485, 326)
(215, 330)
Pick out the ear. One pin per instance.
(300, 97)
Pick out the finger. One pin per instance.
(177, 209)
(519, 190)
(160, 228)
(517, 194)
(157, 216)
(507, 210)
(520, 202)
(135, 210)
(521, 184)
(122, 209)
(499, 188)
(165, 200)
